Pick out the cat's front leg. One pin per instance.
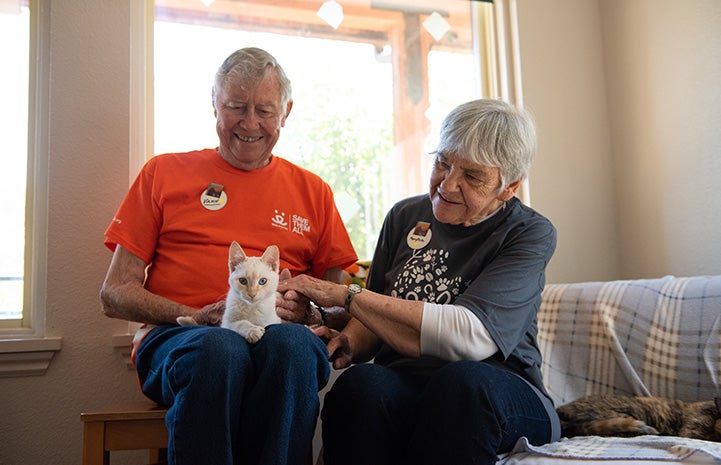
(623, 426)
(252, 333)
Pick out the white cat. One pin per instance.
(250, 303)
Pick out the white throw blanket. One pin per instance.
(639, 448)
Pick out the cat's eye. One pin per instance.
(243, 281)
(262, 281)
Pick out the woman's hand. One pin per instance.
(324, 293)
(338, 346)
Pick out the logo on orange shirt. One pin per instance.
(279, 220)
(299, 224)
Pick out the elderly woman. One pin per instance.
(449, 312)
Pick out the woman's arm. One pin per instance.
(452, 332)
(394, 321)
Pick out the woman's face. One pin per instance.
(248, 120)
(463, 192)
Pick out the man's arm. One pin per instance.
(123, 295)
(335, 275)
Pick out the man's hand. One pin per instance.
(210, 315)
(292, 306)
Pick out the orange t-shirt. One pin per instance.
(171, 220)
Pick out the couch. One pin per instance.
(659, 337)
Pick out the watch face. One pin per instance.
(354, 288)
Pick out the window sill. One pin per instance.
(27, 357)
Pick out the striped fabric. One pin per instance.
(659, 449)
(659, 337)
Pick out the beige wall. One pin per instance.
(626, 94)
(572, 177)
(663, 61)
(40, 416)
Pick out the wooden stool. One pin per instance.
(135, 426)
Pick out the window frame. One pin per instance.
(24, 349)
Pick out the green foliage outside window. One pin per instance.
(352, 161)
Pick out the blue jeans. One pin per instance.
(465, 413)
(231, 402)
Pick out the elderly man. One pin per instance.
(228, 401)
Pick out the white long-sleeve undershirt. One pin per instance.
(453, 332)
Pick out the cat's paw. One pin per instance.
(631, 427)
(643, 428)
(255, 334)
(186, 321)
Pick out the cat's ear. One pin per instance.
(235, 255)
(285, 274)
(271, 257)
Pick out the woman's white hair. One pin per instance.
(491, 133)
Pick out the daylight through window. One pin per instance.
(14, 35)
(371, 83)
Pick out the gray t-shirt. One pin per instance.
(495, 268)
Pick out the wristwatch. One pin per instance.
(353, 289)
(321, 310)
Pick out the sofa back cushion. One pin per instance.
(659, 337)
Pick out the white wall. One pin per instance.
(626, 94)
(627, 97)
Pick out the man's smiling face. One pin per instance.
(249, 117)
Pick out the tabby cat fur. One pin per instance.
(613, 415)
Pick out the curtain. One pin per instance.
(496, 43)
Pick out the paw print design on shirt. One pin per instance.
(423, 278)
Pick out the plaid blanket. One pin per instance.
(659, 337)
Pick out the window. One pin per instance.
(14, 54)
(24, 93)
(369, 94)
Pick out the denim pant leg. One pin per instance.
(470, 411)
(367, 416)
(280, 413)
(200, 373)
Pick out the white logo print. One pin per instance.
(279, 220)
(299, 224)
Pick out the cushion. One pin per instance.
(659, 337)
